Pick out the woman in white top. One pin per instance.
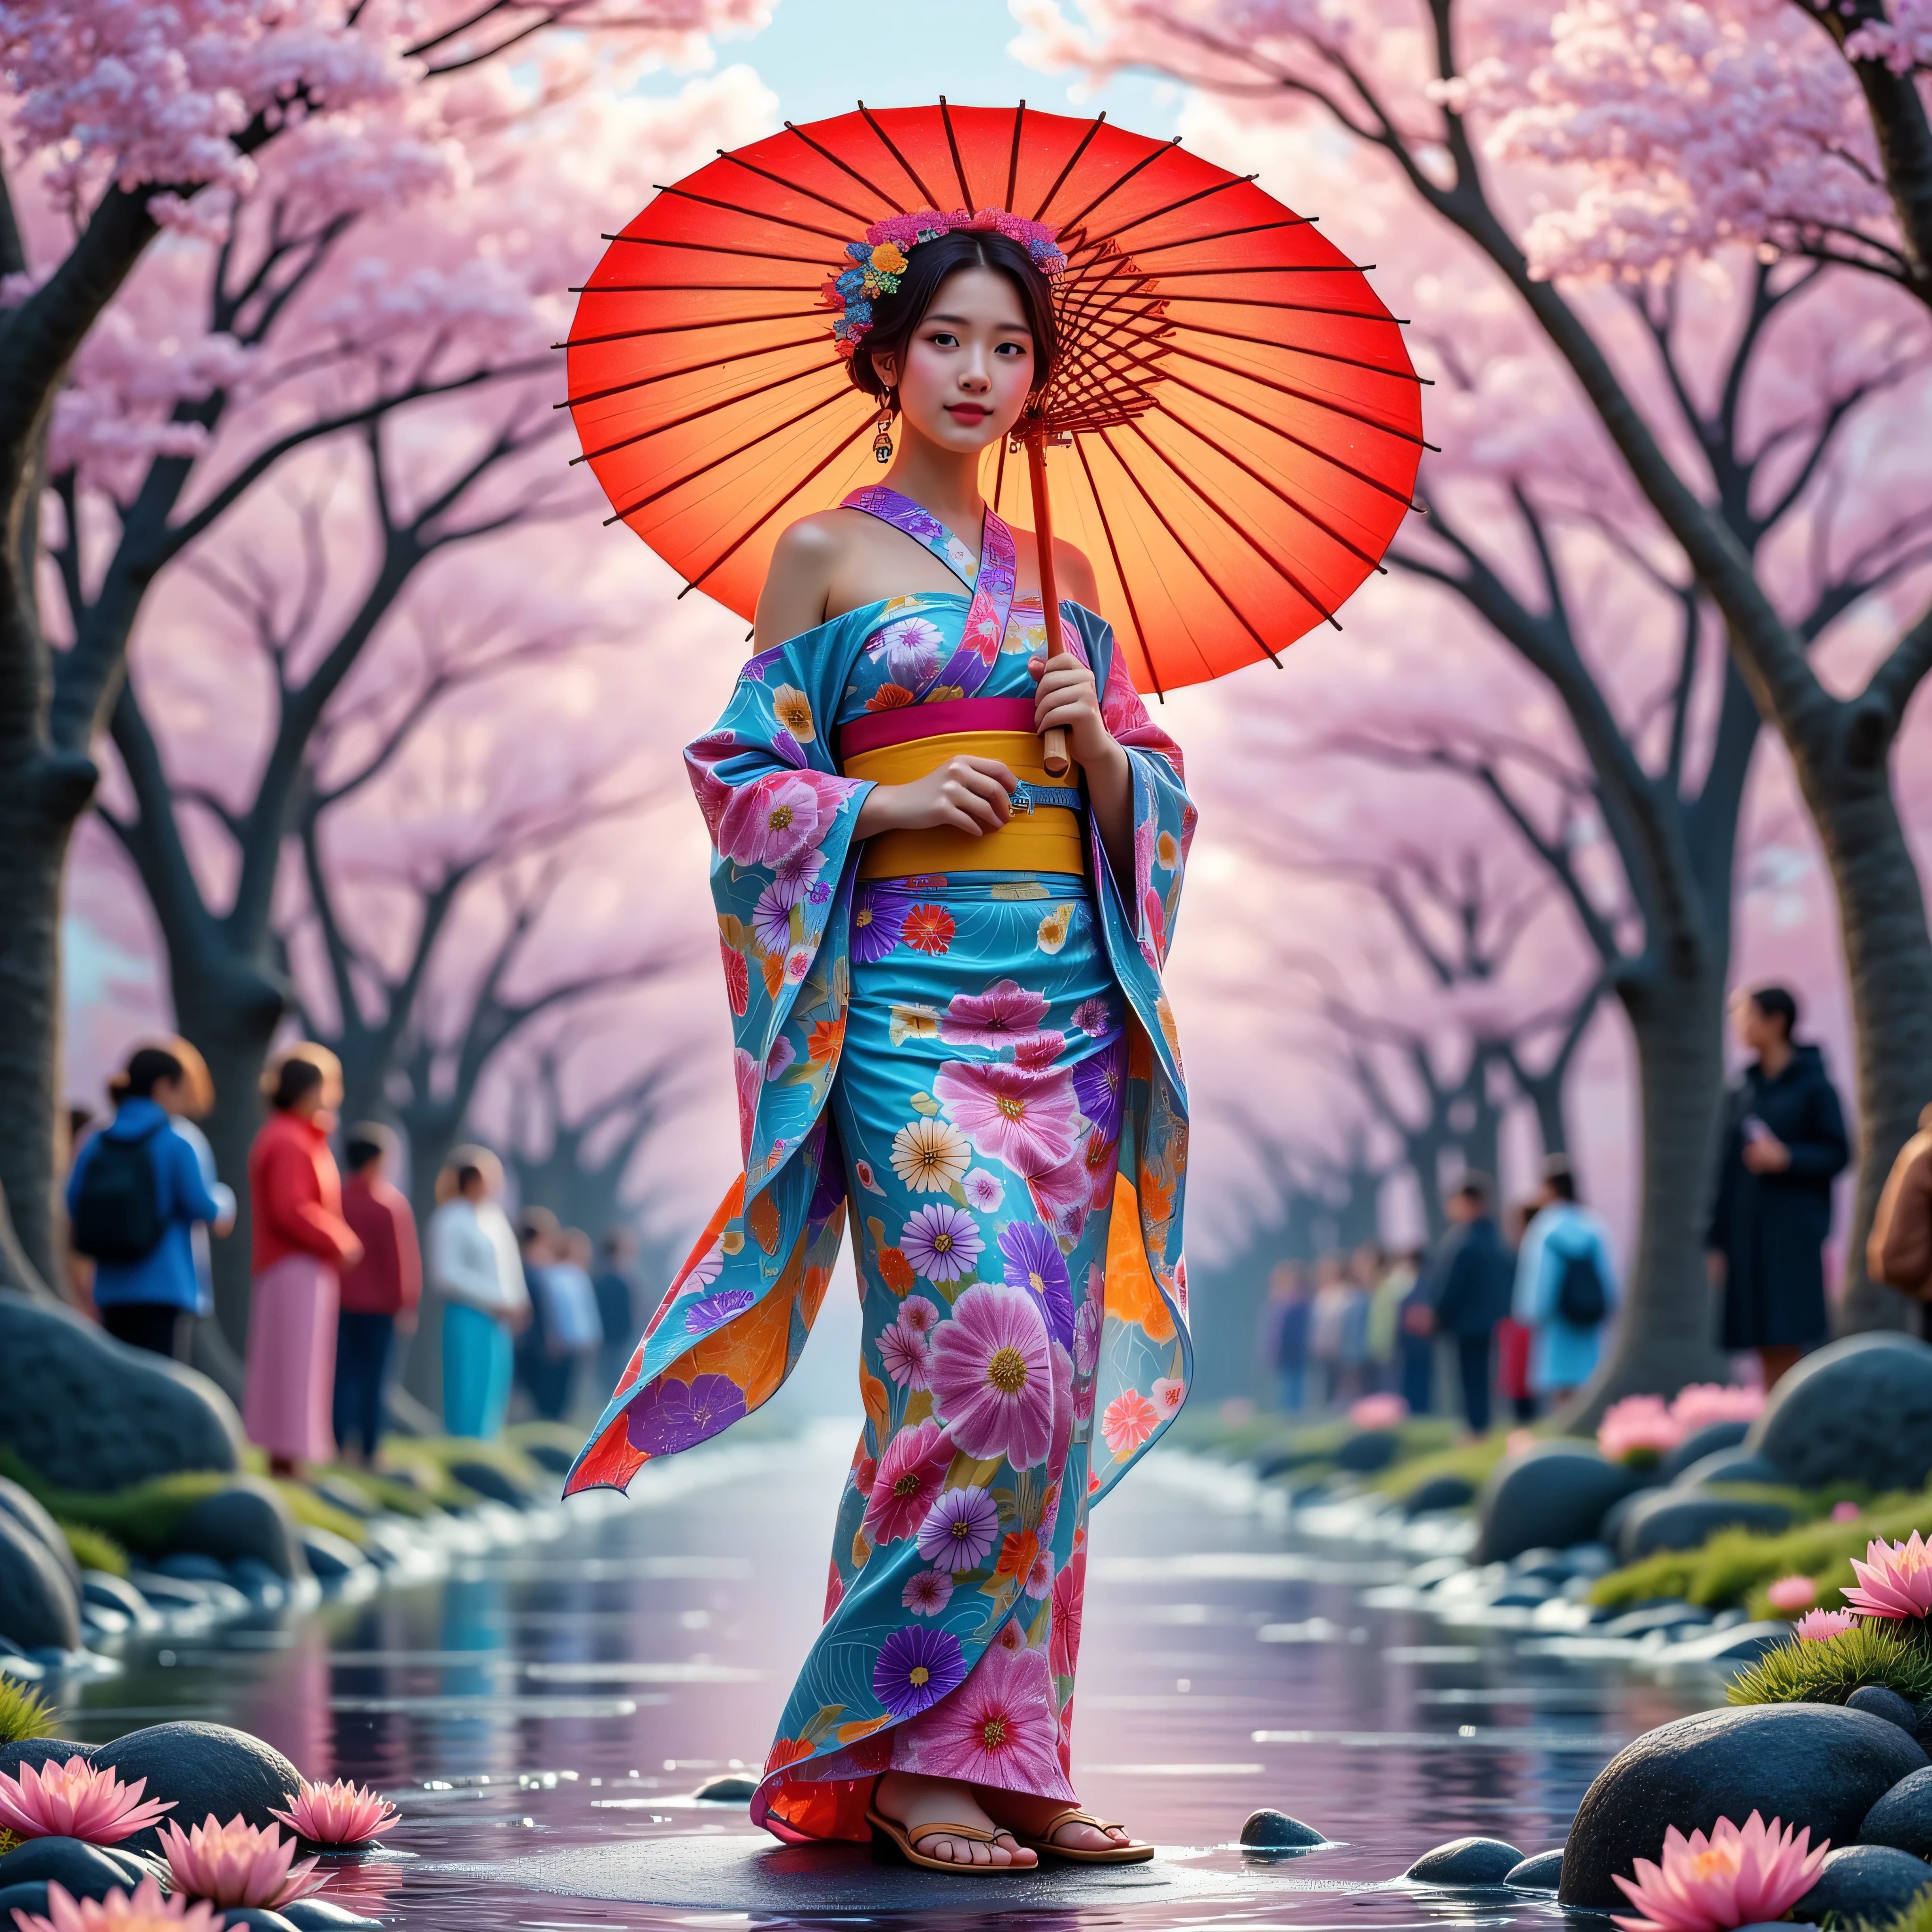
(474, 1265)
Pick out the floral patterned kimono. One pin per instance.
(982, 1064)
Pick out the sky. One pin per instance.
(820, 56)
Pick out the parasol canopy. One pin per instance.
(1232, 431)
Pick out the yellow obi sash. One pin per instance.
(1036, 839)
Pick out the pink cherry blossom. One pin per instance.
(1639, 1429)
(1735, 1877)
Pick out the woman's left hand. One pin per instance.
(1066, 701)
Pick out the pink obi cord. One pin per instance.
(949, 718)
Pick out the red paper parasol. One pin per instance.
(1234, 423)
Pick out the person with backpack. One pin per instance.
(1566, 1287)
(134, 1198)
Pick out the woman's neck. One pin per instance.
(945, 481)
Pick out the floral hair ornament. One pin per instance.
(880, 259)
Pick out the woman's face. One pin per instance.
(969, 366)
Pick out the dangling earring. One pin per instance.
(882, 441)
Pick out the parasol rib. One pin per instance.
(1302, 348)
(706, 248)
(709, 363)
(827, 153)
(958, 166)
(791, 187)
(1187, 201)
(1121, 181)
(1120, 572)
(685, 327)
(1013, 159)
(750, 213)
(703, 409)
(891, 148)
(1073, 161)
(1179, 347)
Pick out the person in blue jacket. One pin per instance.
(134, 1198)
(1563, 1236)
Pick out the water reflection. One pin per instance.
(544, 1714)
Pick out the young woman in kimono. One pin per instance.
(943, 966)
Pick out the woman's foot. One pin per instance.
(1023, 1812)
(909, 1800)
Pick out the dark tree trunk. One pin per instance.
(1667, 1328)
(1888, 962)
(41, 796)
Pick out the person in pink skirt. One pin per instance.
(300, 1241)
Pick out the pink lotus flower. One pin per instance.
(1023, 1119)
(340, 1813)
(236, 1864)
(1519, 1441)
(1639, 1429)
(1698, 1405)
(1373, 1412)
(1790, 1594)
(1005, 1013)
(992, 1375)
(1821, 1626)
(76, 1800)
(145, 1911)
(1845, 1512)
(907, 1484)
(1733, 1878)
(999, 1727)
(1894, 1580)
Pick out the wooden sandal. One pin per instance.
(904, 1841)
(1042, 1841)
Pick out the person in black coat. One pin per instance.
(1470, 1280)
(1783, 1141)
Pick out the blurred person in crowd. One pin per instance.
(1394, 1279)
(1338, 1329)
(1784, 1142)
(1512, 1337)
(138, 1195)
(1566, 1286)
(1416, 1337)
(302, 1244)
(379, 1292)
(474, 1265)
(562, 1290)
(1899, 1252)
(1365, 1270)
(1284, 1332)
(616, 1288)
(537, 1232)
(1472, 1276)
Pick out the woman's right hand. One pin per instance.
(965, 794)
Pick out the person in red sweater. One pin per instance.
(301, 1243)
(380, 1293)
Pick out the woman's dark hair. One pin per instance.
(368, 1141)
(143, 1073)
(294, 1078)
(1560, 1180)
(928, 264)
(1776, 1003)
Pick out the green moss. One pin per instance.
(24, 1712)
(1917, 1917)
(313, 1512)
(1472, 1461)
(393, 1493)
(1735, 1564)
(94, 1549)
(1828, 1671)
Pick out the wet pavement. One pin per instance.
(542, 1716)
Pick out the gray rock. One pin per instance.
(1590, 1559)
(116, 1593)
(173, 1593)
(205, 1768)
(318, 1915)
(88, 1871)
(1679, 1518)
(1554, 1494)
(1282, 1462)
(31, 1897)
(1540, 1873)
(1902, 1817)
(259, 1583)
(191, 1566)
(37, 1751)
(97, 1621)
(246, 1518)
(1872, 1883)
(330, 1555)
(340, 1493)
(1858, 1410)
(487, 1480)
(1815, 1764)
(728, 1789)
(550, 1455)
(39, 1604)
(1708, 1440)
(1367, 1450)
(1732, 1643)
(1276, 1831)
(1729, 1466)
(1655, 1616)
(88, 1413)
(1882, 1701)
(1439, 1492)
(26, 1510)
(1610, 1529)
(1466, 1862)
(255, 1919)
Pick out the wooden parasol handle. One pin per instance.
(1057, 761)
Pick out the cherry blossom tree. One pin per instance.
(263, 140)
(1793, 530)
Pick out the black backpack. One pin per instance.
(117, 1214)
(1580, 1299)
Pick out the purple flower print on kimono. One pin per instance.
(671, 1415)
(999, 1730)
(1005, 1015)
